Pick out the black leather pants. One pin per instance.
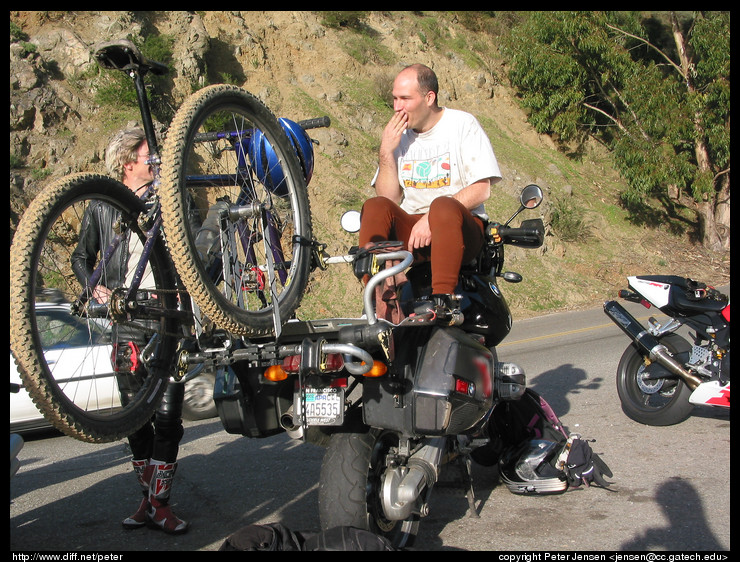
(160, 438)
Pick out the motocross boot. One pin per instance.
(160, 514)
(143, 471)
(446, 308)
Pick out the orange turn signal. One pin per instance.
(377, 370)
(275, 373)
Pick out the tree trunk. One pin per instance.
(715, 210)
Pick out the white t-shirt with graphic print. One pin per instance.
(452, 155)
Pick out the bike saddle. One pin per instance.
(122, 54)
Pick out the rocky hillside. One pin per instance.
(302, 68)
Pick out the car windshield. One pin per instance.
(59, 328)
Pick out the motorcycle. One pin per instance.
(662, 375)
(394, 402)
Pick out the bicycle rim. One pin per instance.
(62, 348)
(248, 266)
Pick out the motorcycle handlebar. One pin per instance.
(528, 237)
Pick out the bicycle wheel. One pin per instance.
(248, 266)
(63, 341)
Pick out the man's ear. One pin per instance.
(430, 98)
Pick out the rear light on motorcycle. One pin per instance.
(726, 313)
(331, 363)
(292, 363)
(377, 370)
(464, 387)
(275, 373)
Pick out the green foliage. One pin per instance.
(343, 19)
(16, 33)
(568, 220)
(617, 76)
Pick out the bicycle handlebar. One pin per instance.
(315, 123)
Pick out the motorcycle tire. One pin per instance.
(662, 399)
(350, 486)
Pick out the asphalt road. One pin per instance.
(670, 492)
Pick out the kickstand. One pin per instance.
(470, 493)
(463, 479)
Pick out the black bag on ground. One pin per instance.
(348, 538)
(271, 536)
(275, 536)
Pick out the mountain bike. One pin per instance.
(225, 253)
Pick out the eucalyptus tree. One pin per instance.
(653, 87)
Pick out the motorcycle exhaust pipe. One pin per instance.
(655, 350)
(287, 422)
(401, 492)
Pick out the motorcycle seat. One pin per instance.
(689, 296)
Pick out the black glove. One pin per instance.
(585, 467)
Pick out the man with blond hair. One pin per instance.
(155, 446)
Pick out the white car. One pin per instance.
(79, 354)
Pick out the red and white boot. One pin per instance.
(143, 471)
(159, 513)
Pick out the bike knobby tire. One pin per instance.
(227, 159)
(64, 350)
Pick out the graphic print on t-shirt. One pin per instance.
(430, 173)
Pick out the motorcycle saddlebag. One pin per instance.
(248, 407)
(453, 387)
(445, 387)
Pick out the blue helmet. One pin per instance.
(265, 161)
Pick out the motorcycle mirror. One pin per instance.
(531, 196)
(350, 221)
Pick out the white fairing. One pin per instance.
(654, 292)
(711, 393)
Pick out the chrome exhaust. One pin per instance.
(291, 426)
(403, 486)
(648, 343)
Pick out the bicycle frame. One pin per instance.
(236, 235)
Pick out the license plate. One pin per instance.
(324, 406)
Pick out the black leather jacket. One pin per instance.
(96, 235)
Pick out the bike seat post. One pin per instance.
(146, 115)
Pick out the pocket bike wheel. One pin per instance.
(227, 153)
(63, 345)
